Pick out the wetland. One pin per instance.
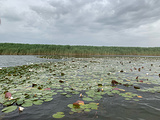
(76, 88)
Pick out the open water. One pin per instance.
(17, 60)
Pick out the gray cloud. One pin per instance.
(131, 13)
(91, 22)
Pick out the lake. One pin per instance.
(16, 60)
(113, 88)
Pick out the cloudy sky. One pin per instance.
(81, 22)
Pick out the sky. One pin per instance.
(134, 23)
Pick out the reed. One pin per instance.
(43, 49)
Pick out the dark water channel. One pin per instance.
(110, 107)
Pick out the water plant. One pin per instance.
(95, 78)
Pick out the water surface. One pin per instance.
(17, 60)
(88, 72)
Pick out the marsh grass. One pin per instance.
(41, 49)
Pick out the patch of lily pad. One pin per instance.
(83, 107)
(107, 77)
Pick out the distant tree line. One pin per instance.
(40, 49)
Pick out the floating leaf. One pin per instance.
(127, 99)
(38, 102)
(110, 94)
(135, 99)
(121, 89)
(75, 92)
(76, 105)
(70, 105)
(88, 99)
(97, 97)
(63, 93)
(48, 99)
(9, 102)
(116, 91)
(87, 110)
(9, 109)
(93, 106)
(58, 115)
(19, 102)
(71, 113)
(27, 103)
(68, 95)
(59, 90)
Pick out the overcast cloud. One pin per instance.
(81, 22)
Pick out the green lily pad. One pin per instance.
(58, 115)
(87, 110)
(38, 102)
(19, 102)
(71, 113)
(70, 105)
(27, 103)
(75, 92)
(68, 95)
(135, 99)
(9, 102)
(59, 90)
(88, 99)
(74, 110)
(93, 106)
(127, 99)
(54, 93)
(34, 99)
(97, 97)
(9, 109)
(48, 99)
(63, 93)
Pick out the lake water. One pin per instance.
(17, 60)
(82, 73)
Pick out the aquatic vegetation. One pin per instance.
(88, 79)
(58, 115)
(80, 107)
(9, 109)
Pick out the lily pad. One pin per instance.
(88, 99)
(93, 106)
(19, 102)
(9, 102)
(58, 115)
(48, 99)
(87, 110)
(27, 103)
(59, 90)
(38, 102)
(9, 109)
(63, 93)
(68, 95)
